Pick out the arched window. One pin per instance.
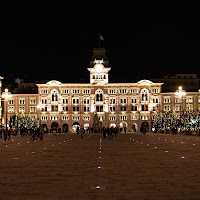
(99, 95)
(54, 95)
(144, 93)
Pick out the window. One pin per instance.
(112, 118)
(86, 109)
(189, 107)
(101, 118)
(65, 100)
(54, 117)
(133, 108)
(122, 91)
(86, 101)
(44, 118)
(166, 99)
(54, 95)
(123, 108)
(43, 91)
(134, 100)
(112, 91)
(21, 109)
(75, 109)
(86, 118)
(177, 107)
(123, 101)
(112, 109)
(65, 108)
(112, 100)
(75, 91)
(144, 117)
(10, 109)
(124, 117)
(144, 93)
(65, 91)
(134, 117)
(145, 107)
(178, 100)
(44, 101)
(76, 118)
(65, 117)
(32, 101)
(189, 99)
(32, 109)
(134, 91)
(155, 100)
(21, 101)
(155, 90)
(99, 108)
(11, 102)
(54, 108)
(99, 95)
(86, 91)
(75, 101)
(44, 109)
(166, 107)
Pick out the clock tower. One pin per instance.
(99, 70)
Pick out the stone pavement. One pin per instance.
(131, 166)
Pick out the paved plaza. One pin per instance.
(131, 166)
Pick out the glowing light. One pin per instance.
(98, 187)
(182, 157)
(99, 167)
(15, 158)
(166, 151)
(155, 147)
(100, 157)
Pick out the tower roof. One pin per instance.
(99, 54)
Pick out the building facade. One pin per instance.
(131, 105)
(1, 78)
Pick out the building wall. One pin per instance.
(0, 99)
(121, 103)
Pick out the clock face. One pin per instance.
(99, 68)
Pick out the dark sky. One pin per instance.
(55, 40)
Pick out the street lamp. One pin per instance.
(40, 106)
(180, 93)
(6, 95)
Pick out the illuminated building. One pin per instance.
(131, 105)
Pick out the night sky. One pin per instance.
(55, 40)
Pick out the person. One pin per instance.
(77, 130)
(104, 132)
(82, 132)
(5, 135)
(144, 131)
(9, 133)
(125, 130)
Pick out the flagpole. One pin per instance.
(99, 39)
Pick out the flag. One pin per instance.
(100, 37)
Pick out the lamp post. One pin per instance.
(40, 106)
(6, 95)
(180, 93)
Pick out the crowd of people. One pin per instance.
(24, 132)
(109, 131)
